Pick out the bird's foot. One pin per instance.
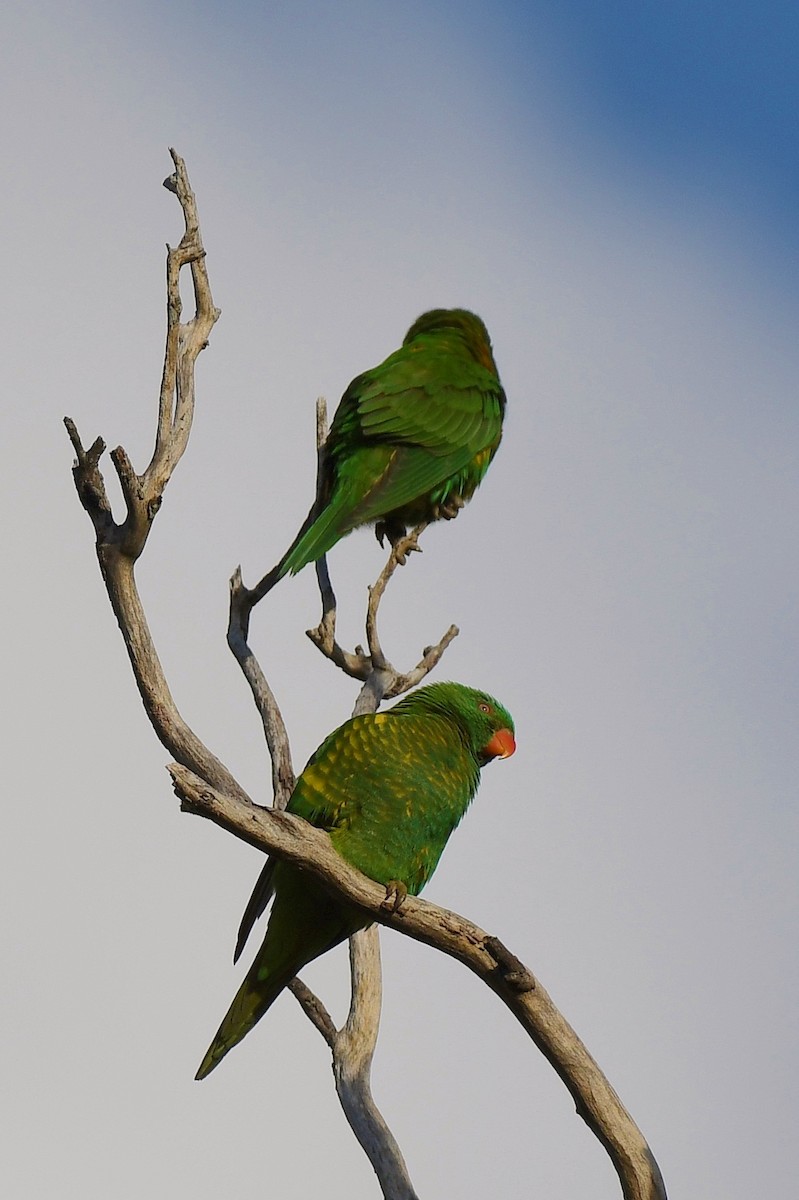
(404, 546)
(396, 892)
(402, 542)
(395, 531)
(450, 508)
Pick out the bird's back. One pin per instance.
(390, 789)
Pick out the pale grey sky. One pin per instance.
(626, 582)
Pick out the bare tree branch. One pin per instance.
(274, 727)
(118, 547)
(354, 1045)
(362, 665)
(297, 842)
(315, 1011)
(208, 788)
(353, 1052)
(120, 544)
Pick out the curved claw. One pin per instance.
(404, 547)
(396, 893)
(394, 530)
(450, 508)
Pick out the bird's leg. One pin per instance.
(450, 508)
(408, 544)
(402, 542)
(396, 892)
(390, 528)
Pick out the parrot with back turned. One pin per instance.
(389, 788)
(410, 440)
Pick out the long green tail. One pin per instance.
(250, 1003)
(318, 535)
(305, 922)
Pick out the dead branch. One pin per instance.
(353, 1046)
(207, 787)
(353, 1051)
(297, 842)
(120, 544)
(264, 698)
(118, 547)
(362, 665)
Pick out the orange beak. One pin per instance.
(502, 745)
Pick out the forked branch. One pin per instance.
(119, 544)
(364, 664)
(208, 788)
(353, 1046)
(596, 1101)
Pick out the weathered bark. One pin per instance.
(208, 788)
(485, 955)
(353, 1046)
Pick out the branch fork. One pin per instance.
(362, 664)
(207, 788)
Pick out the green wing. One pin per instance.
(431, 393)
(318, 799)
(408, 435)
(419, 420)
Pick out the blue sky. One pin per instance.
(613, 188)
(705, 94)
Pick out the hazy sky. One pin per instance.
(613, 187)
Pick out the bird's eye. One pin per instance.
(486, 708)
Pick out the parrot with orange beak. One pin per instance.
(389, 788)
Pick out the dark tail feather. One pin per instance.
(323, 527)
(261, 895)
(249, 1005)
(320, 531)
(305, 923)
(282, 567)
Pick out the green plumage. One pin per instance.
(411, 439)
(389, 788)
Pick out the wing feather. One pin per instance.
(430, 393)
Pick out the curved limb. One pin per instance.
(119, 544)
(595, 1100)
(207, 787)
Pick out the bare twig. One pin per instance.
(207, 787)
(362, 665)
(120, 544)
(353, 1046)
(353, 1051)
(596, 1101)
(315, 1010)
(327, 623)
(274, 727)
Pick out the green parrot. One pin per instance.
(389, 788)
(410, 440)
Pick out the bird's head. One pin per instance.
(459, 325)
(493, 735)
(485, 723)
